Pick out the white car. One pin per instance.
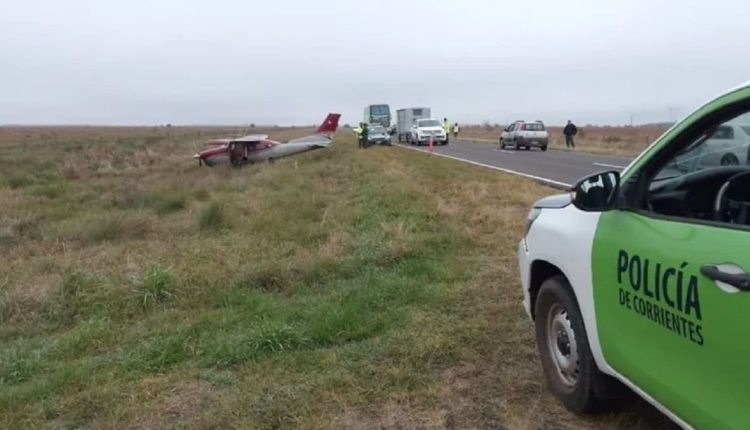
(525, 134)
(425, 129)
(642, 278)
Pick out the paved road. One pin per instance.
(556, 168)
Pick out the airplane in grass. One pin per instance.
(256, 148)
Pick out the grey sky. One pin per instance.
(292, 61)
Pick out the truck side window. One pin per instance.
(689, 183)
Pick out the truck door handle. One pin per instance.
(741, 281)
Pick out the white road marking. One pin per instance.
(614, 166)
(504, 151)
(547, 181)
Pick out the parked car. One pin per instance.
(425, 129)
(525, 134)
(378, 135)
(642, 278)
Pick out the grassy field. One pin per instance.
(342, 288)
(595, 139)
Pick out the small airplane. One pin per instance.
(257, 147)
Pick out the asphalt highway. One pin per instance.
(556, 168)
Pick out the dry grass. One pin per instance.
(344, 288)
(596, 139)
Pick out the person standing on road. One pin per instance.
(455, 130)
(570, 131)
(358, 132)
(363, 136)
(446, 126)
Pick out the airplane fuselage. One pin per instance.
(238, 154)
(257, 147)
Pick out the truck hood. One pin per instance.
(557, 201)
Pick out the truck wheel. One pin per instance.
(569, 366)
(544, 148)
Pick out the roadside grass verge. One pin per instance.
(343, 288)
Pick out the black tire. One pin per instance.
(592, 391)
(730, 160)
(400, 137)
(544, 148)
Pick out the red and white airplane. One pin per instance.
(256, 148)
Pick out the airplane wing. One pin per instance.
(251, 138)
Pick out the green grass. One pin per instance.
(212, 217)
(342, 288)
(157, 286)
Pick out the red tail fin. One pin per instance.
(330, 124)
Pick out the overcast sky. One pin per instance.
(292, 61)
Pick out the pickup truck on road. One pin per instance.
(425, 129)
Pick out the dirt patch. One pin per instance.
(177, 407)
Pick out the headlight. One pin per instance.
(533, 215)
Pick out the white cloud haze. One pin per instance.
(292, 61)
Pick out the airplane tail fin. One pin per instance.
(324, 134)
(330, 124)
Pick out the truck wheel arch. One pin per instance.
(541, 271)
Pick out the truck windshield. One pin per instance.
(428, 123)
(379, 110)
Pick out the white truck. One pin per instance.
(428, 129)
(405, 119)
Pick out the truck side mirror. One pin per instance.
(597, 193)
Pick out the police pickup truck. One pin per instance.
(640, 278)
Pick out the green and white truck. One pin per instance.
(641, 278)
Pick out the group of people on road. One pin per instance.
(362, 133)
(450, 128)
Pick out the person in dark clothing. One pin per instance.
(363, 136)
(570, 131)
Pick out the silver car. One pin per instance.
(378, 135)
(525, 134)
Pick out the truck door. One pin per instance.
(671, 284)
(512, 132)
